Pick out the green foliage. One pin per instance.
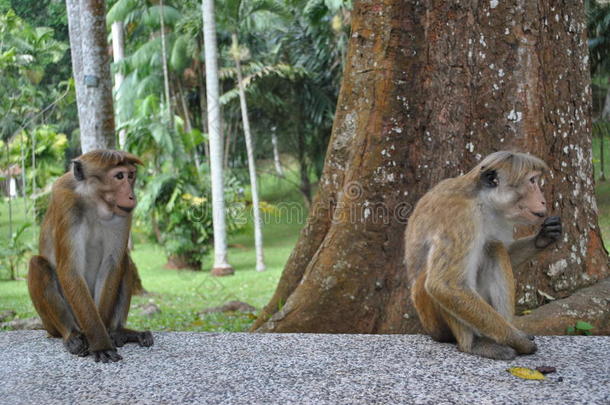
(13, 254)
(598, 30)
(48, 149)
(41, 204)
(180, 59)
(580, 328)
(181, 204)
(120, 11)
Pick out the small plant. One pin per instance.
(181, 203)
(14, 253)
(580, 328)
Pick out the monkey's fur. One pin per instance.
(82, 281)
(460, 253)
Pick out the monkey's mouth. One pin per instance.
(535, 218)
(126, 209)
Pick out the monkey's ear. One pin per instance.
(489, 179)
(77, 170)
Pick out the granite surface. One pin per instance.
(240, 368)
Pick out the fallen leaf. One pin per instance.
(526, 373)
(546, 369)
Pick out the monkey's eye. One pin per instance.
(533, 180)
(131, 175)
(119, 175)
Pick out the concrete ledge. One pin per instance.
(240, 368)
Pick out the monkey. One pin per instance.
(83, 278)
(460, 251)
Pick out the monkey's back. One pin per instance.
(62, 202)
(443, 212)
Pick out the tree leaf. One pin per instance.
(526, 373)
(582, 325)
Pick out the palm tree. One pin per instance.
(239, 13)
(237, 55)
(118, 53)
(221, 265)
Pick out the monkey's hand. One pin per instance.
(106, 356)
(119, 338)
(549, 232)
(145, 339)
(77, 344)
(122, 336)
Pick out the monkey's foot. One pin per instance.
(492, 350)
(106, 356)
(77, 344)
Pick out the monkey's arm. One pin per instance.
(524, 249)
(447, 283)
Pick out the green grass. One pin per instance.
(602, 188)
(182, 294)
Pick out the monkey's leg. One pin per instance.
(469, 342)
(118, 333)
(55, 313)
(429, 312)
(470, 309)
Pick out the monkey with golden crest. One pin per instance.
(459, 253)
(82, 281)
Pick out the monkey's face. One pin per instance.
(530, 205)
(522, 203)
(119, 191)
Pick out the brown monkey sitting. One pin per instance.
(81, 283)
(460, 253)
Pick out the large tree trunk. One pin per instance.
(429, 89)
(221, 264)
(91, 66)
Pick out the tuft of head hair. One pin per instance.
(516, 165)
(109, 158)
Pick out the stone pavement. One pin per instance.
(241, 368)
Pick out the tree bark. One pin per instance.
(429, 89)
(221, 264)
(91, 66)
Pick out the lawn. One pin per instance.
(182, 294)
(602, 188)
